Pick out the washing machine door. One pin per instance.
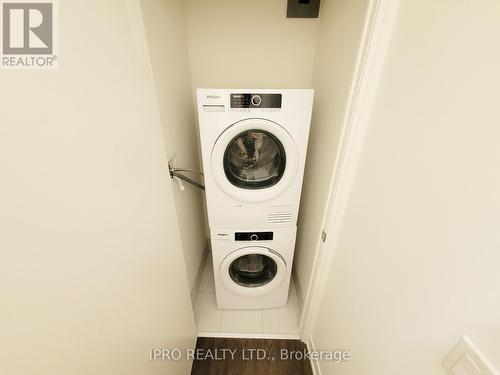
(254, 160)
(252, 271)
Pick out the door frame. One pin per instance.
(376, 36)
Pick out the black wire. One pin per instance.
(173, 173)
(186, 170)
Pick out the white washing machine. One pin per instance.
(254, 145)
(252, 268)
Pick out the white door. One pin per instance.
(254, 160)
(252, 271)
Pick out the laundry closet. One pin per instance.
(251, 49)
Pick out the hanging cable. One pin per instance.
(174, 172)
(186, 170)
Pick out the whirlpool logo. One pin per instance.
(28, 35)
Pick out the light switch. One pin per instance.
(466, 366)
(459, 370)
(466, 359)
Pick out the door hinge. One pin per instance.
(323, 235)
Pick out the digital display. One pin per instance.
(255, 100)
(253, 236)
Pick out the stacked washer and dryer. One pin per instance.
(254, 145)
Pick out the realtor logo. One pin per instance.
(28, 34)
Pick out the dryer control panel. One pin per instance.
(255, 100)
(253, 236)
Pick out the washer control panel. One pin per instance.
(253, 236)
(244, 100)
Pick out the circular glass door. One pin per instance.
(253, 270)
(254, 159)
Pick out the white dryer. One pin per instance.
(252, 268)
(254, 145)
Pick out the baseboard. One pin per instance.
(199, 275)
(314, 363)
(271, 336)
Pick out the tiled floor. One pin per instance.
(279, 322)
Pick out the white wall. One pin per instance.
(249, 44)
(417, 261)
(167, 39)
(341, 23)
(91, 269)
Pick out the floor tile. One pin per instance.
(284, 320)
(208, 318)
(242, 321)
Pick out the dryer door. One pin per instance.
(254, 160)
(252, 271)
